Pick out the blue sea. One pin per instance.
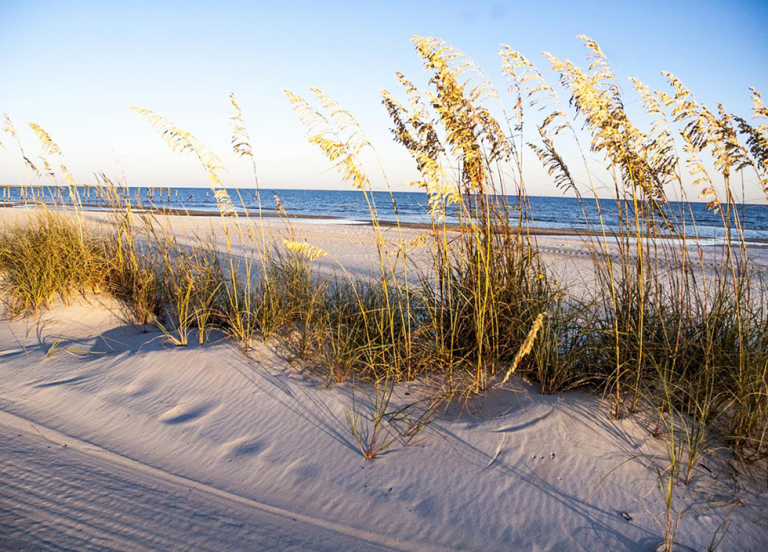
(563, 213)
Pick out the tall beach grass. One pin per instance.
(669, 326)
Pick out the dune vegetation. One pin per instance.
(668, 328)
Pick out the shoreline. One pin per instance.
(534, 230)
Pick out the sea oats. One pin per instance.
(343, 153)
(757, 140)
(280, 207)
(469, 126)
(52, 148)
(701, 130)
(527, 345)
(303, 248)
(525, 79)
(660, 145)
(421, 140)
(553, 163)
(32, 166)
(49, 146)
(344, 121)
(8, 126)
(598, 99)
(241, 141)
(47, 168)
(10, 129)
(179, 140)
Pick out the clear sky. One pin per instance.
(76, 67)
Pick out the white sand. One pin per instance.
(111, 439)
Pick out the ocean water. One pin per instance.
(349, 206)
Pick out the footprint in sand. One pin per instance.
(181, 414)
(244, 448)
(429, 508)
(139, 388)
(308, 472)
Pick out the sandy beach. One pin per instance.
(114, 439)
(405, 276)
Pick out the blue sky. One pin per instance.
(76, 67)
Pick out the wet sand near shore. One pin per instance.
(272, 214)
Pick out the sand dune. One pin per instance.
(112, 439)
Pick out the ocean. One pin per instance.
(561, 213)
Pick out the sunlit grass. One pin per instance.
(664, 326)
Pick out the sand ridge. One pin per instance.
(518, 470)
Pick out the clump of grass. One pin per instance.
(558, 361)
(191, 284)
(45, 258)
(377, 426)
(207, 282)
(239, 305)
(134, 273)
(371, 434)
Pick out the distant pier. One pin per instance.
(22, 194)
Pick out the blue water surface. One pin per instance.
(564, 213)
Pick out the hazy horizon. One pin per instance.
(76, 67)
